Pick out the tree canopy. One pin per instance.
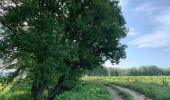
(51, 41)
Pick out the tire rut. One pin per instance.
(134, 94)
(114, 93)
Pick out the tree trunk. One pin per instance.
(38, 89)
(56, 89)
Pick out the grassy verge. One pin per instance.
(155, 91)
(88, 91)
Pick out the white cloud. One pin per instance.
(123, 3)
(147, 8)
(163, 19)
(123, 64)
(160, 35)
(132, 33)
(155, 40)
(108, 64)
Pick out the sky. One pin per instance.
(148, 40)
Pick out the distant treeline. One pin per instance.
(141, 71)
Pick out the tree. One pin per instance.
(51, 41)
(150, 70)
(101, 71)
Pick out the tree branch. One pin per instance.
(9, 27)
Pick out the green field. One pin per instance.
(87, 90)
(155, 87)
(94, 88)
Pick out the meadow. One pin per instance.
(94, 88)
(155, 87)
(86, 90)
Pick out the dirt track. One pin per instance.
(114, 93)
(135, 95)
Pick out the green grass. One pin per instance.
(145, 79)
(20, 93)
(123, 94)
(155, 91)
(93, 89)
(89, 91)
(150, 86)
(84, 91)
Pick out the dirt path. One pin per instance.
(135, 95)
(114, 93)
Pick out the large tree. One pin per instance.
(51, 41)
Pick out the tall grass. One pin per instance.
(89, 91)
(155, 87)
(152, 90)
(85, 91)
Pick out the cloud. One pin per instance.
(147, 8)
(160, 34)
(163, 19)
(108, 64)
(123, 64)
(155, 40)
(132, 32)
(123, 3)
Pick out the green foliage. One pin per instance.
(83, 91)
(17, 93)
(98, 72)
(141, 71)
(89, 91)
(151, 86)
(164, 81)
(154, 91)
(48, 42)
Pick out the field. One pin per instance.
(94, 88)
(155, 87)
(87, 90)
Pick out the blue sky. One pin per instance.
(148, 39)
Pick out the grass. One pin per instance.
(146, 79)
(85, 91)
(88, 91)
(93, 89)
(123, 94)
(154, 91)
(155, 87)
(20, 93)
